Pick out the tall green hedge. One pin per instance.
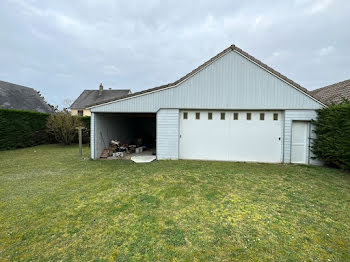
(22, 129)
(332, 128)
(25, 128)
(86, 120)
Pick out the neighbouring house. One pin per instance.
(335, 93)
(88, 97)
(19, 97)
(231, 108)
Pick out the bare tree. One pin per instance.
(67, 102)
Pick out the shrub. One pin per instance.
(63, 127)
(22, 129)
(332, 128)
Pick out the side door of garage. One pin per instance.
(300, 142)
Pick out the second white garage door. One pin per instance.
(231, 136)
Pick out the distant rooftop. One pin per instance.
(19, 97)
(89, 97)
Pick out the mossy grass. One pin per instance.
(56, 205)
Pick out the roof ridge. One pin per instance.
(18, 85)
(337, 83)
(208, 62)
(315, 91)
(88, 96)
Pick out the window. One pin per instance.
(222, 116)
(210, 116)
(262, 116)
(249, 116)
(185, 115)
(275, 116)
(198, 115)
(80, 112)
(235, 116)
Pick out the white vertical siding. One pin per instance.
(231, 82)
(289, 117)
(168, 134)
(92, 136)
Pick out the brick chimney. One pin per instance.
(100, 90)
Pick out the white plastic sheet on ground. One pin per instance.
(143, 159)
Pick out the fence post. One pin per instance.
(80, 128)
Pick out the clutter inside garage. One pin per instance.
(129, 135)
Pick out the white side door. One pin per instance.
(300, 142)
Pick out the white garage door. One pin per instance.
(231, 136)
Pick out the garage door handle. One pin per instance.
(279, 138)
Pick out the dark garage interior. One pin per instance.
(132, 130)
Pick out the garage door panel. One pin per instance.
(229, 139)
(197, 143)
(255, 142)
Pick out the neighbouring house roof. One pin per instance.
(88, 97)
(230, 48)
(334, 93)
(19, 97)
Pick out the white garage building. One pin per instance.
(231, 108)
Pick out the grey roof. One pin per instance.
(334, 93)
(19, 97)
(89, 97)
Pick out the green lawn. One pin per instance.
(56, 205)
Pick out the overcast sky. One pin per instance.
(63, 47)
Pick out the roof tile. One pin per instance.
(334, 93)
(19, 97)
(88, 97)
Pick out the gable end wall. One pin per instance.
(231, 82)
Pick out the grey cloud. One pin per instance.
(64, 47)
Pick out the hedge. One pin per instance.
(332, 128)
(86, 133)
(86, 120)
(20, 129)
